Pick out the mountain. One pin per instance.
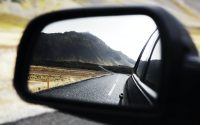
(78, 47)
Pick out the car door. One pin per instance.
(136, 91)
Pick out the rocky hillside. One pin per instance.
(78, 47)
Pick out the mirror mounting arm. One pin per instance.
(189, 87)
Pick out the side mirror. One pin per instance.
(122, 63)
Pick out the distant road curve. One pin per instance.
(105, 69)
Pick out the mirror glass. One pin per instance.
(110, 59)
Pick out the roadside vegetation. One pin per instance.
(195, 34)
(10, 21)
(43, 77)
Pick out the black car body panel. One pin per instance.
(134, 93)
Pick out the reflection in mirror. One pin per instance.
(108, 60)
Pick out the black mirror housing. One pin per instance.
(176, 45)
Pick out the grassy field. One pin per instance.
(195, 34)
(9, 21)
(43, 78)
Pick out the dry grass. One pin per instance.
(9, 21)
(42, 78)
(195, 34)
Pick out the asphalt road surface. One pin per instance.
(104, 89)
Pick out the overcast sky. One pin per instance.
(127, 34)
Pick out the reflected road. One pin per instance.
(104, 89)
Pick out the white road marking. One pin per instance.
(117, 80)
(112, 89)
